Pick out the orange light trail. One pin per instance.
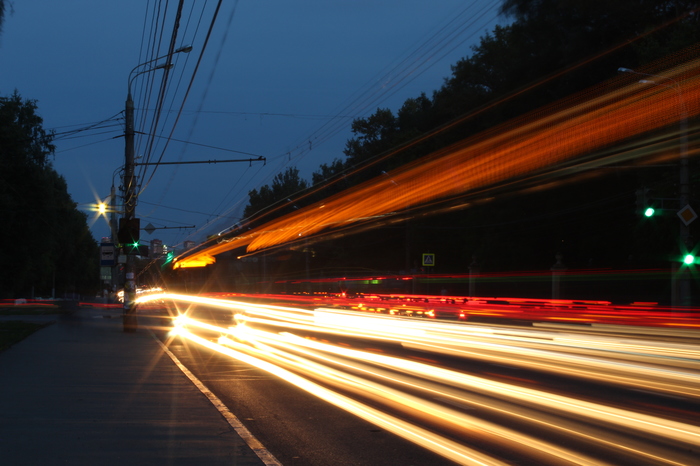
(537, 141)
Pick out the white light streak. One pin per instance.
(443, 398)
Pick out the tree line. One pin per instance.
(549, 50)
(47, 247)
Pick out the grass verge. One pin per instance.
(13, 331)
(29, 310)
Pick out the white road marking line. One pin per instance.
(233, 421)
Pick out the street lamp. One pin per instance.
(129, 316)
(684, 181)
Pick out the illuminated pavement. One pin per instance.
(82, 392)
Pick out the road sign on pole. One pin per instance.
(428, 259)
(687, 214)
(107, 255)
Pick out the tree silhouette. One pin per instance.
(46, 242)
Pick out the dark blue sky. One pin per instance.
(279, 79)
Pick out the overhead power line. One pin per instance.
(212, 147)
(189, 88)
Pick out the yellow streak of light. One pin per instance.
(460, 421)
(441, 445)
(202, 260)
(628, 420)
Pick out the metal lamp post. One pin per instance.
(130, 321)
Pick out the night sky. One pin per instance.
(282, 80)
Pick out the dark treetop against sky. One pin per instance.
(278, 79)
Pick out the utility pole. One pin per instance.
(684, 191)
(129, 227)
(129, 316)
(129, 221)
(113, 231)
(684, 289)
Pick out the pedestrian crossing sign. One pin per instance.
(428, 260)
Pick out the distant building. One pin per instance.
(157, 248)
(188, 245)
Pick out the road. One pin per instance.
(333, 386)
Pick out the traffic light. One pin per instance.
(689, 259)
(645, 202)
(129, 231)
(135, 249)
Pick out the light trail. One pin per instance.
(439, 444)
(584, 126)
(432, 406)
(475, 384)
(342, 379)
(639, 318)
(635, 421)
(639, 363)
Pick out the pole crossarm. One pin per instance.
(259, 159)
(169, 228)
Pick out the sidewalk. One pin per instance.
(83, 392)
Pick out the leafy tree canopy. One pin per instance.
(2, 13)
(550, 49)
(49, 245)
(285, 185)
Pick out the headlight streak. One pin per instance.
(674, 382)
(397, 399)
(591, 363)
(645, 364)
(440, 445)
(625, 419)
(494, 390)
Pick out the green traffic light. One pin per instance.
(649, 212)
(689, 259)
